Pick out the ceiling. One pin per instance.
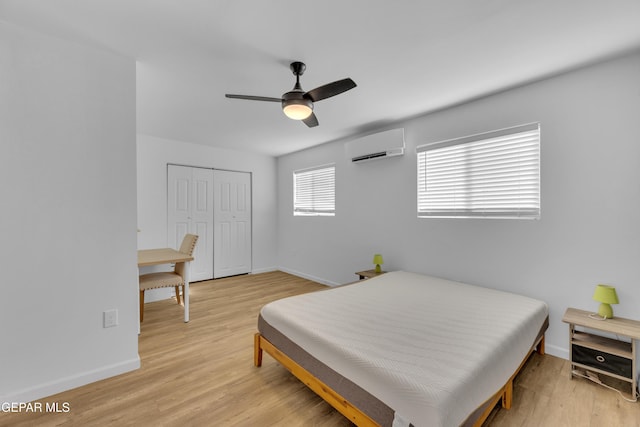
(407, 57)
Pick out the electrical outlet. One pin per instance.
(110, 318)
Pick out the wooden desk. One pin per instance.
(147, 257)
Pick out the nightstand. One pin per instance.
(603, 355)
(367, 274)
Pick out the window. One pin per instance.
(314, 191)
(490, 175)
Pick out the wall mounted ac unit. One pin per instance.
(379, 145)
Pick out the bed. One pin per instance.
(405, 349)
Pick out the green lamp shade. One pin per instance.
(606, 295)
(377, 260)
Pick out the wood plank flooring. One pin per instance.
(202, 374)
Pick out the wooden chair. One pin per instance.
(168, 279)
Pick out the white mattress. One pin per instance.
(431, 349)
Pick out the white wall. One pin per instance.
(153, 156)
(589, 231)
(68, 217)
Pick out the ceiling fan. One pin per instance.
(298, 104)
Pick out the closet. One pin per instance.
(215, 205)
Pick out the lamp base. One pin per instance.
(605, 310)
(378, 269)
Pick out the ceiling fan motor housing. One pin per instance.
(294, 104)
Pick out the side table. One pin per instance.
(603, 355)
(367, 274)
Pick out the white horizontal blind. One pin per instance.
(490, 175)
(314, 191)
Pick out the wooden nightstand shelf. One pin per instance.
(612, 357)
(367, 274)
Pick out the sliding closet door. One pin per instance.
(232, 223)
(190, 210)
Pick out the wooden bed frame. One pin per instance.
(354, 414)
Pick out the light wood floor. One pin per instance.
(202, 374)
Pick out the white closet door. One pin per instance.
(190, 210)
(232, 223)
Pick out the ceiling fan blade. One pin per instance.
(254, 98)
(330, 89)
(311, 121)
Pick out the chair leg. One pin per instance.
(178, 294)
(141, 305)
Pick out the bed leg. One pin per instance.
(257, 350)
(507, 396)
(540, 347)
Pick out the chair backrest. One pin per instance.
(187, 247)
(188, 244)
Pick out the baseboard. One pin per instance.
(309, 277)
(556, 351)
(263, 270)
(48, 389)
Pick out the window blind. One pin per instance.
(491, 175)
(314, 191)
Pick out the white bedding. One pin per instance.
(431, 349)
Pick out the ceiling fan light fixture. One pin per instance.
(297, 109)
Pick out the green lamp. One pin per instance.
(377, 260)
(606, 295)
